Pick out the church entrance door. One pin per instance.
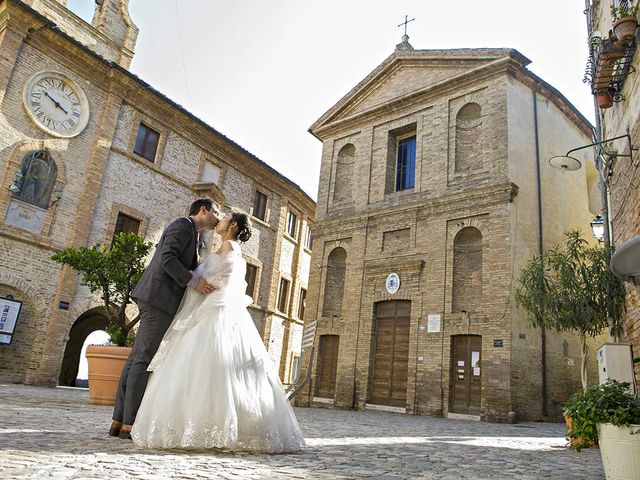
(465, 380)
(327, 366)
(390, 363)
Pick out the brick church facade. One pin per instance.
(88, 149)
(429, 204)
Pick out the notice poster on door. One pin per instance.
(475, 363)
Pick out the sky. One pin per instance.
(262, 71)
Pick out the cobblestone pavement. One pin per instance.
(54, 433)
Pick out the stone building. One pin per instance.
(433, 169)
(622, 173)
(87, 149)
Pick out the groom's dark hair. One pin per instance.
(207, 203)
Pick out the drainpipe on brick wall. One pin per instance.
(597, 137)
(543, 333)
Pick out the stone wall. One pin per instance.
(624, 214)
(99, 175)
(413, 232)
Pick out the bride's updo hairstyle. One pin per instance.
(241, 219)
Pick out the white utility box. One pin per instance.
(615, 360)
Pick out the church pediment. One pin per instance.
(404, 74)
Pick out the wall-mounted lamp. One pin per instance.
(597, 227)
(568, 163)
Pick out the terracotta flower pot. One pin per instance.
(625, 28)
(604, 100)
(105, 366)
(576, 441)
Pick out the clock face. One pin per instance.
(56, 104)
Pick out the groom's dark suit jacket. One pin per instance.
(165, 279)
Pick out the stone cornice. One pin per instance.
(412, 100)
(535, 83)
(452, 57)
(424, 206)
(404, 263)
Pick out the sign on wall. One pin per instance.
(433, 323)
(9, 311)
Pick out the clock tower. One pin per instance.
(112, 34)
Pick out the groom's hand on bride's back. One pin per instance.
(204, 287)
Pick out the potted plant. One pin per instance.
(571, 288)
(607, 53)
(604, 98)
(625, 20)
(610, 415)
(112, 273)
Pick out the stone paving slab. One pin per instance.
(54, 433)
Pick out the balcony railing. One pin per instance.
(608, 66)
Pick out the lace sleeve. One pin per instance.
(220, 272)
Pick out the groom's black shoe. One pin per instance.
(114, 431)
(125, 432)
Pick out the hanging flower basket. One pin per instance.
(625, 28)
(604, 99)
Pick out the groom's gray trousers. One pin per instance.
(133, 381)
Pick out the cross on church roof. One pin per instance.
(406, 21)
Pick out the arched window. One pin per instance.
(334, 283)
(469, 137)
(343, 186)
(34, 181)
(467, 270)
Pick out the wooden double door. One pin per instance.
(465, 376)
(390, 355)
(327, 366)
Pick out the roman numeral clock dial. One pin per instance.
(56, 104)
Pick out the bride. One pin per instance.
(213, 384)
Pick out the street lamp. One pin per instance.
(597, 227)
(568, 163)
(605, 159)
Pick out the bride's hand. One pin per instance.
(204, 287)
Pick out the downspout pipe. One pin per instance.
(602, 176)
(543, 333)
(597, 137)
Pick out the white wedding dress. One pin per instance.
(213, 384)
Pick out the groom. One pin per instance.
(158, 295)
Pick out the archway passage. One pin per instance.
(87, 323)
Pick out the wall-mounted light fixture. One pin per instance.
(567, 163)
(597, 227)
